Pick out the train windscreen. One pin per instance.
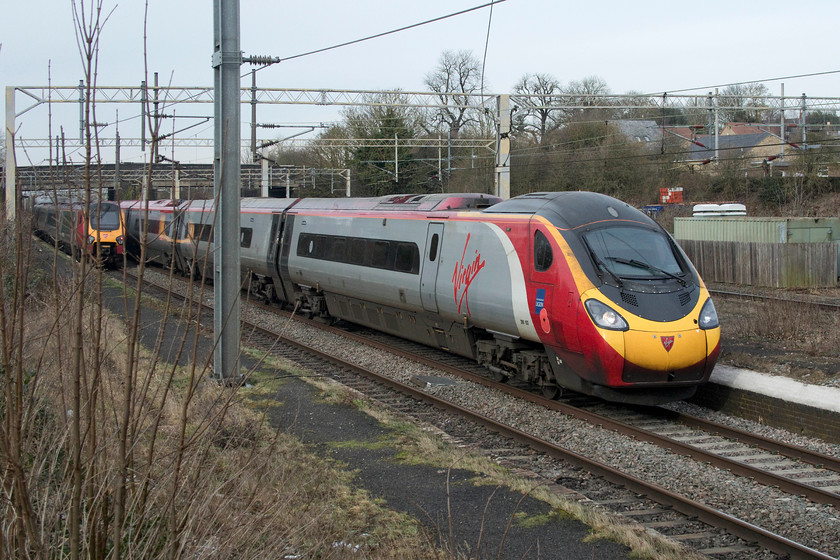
(107, 218)
(632, 252)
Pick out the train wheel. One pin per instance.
(192, 272)
(497, 375)
(551, 392)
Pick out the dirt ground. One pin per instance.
(788, 338)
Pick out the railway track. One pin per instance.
(793, 469)
(815, 303)
(774, 465)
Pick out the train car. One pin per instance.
(570, 290)
(565, 290)
(261, 230)
(155, 224)
(100, 237)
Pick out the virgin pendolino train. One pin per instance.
(565, 290)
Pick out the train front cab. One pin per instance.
(105, 239)
(623, 314)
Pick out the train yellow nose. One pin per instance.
(665, 351)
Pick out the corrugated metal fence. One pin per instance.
(778, 265)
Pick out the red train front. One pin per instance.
(100, 237)
(620, 310)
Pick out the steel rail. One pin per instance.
(791, 451)
(682, 504)
(788, 485)
(818, 304)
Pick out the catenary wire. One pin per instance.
(750, 82)
(383, 34)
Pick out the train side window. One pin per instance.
(356, 254)
(303, 247)
(245, 235)
(322, 247)
(408, 258)
(433, 247)
(379, 253)
(203, 232)
(338, 249)
(543, 255)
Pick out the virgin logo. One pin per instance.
(464, 276)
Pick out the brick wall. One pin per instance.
(774, 412)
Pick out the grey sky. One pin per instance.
(648, 46)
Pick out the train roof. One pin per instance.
(162, 205)
(440, 202)
(572, 209)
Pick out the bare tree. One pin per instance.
(644, 107)
(745, 103)
(333, 157)
(586, 93)
(457, 75)
(536, 118)
(388, 119)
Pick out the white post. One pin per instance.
(717, 128)
(782, 120)
(11, 164)
(264, 184)
(503, 147)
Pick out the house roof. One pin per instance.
(684, 131)
(742, 128)
(731, 146)
(641, 131)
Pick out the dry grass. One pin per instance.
(198, 470)
(789, 324)
(783, 338)
(428, 446)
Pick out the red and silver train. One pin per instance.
(566, 290)
(99, 236)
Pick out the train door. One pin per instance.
(278, 222)
(553, 304)
(431, 264)
(540, 272)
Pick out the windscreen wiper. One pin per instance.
(646, 266)
(602, 265)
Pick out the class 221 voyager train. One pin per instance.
(93, 231)
(564, 290)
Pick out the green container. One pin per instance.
(759, 230)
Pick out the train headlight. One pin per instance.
(91, 240)
(604, 316)
(708, 316)
(120, 240)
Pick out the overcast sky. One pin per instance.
(645, 46)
